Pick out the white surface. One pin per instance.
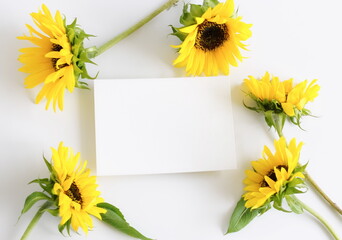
(300, 39)
(163, 125)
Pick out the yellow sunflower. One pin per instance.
(213, 41)
(271, 172)
(76, 190)
(299, 96)
(273, 94)
(268, 87)
(50, 63)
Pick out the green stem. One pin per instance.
(35, 219)
(94, 51)
(319, 217)
(322, 193)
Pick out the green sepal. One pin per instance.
(76, 37)
(53, 212)
(301, 168)
(242, 216)
(48, 164)
(210, 3)
(34, 198)
(45, 183)
(278, 205)
(197, 10)
(189, 15)
(186, 18)
(295, 206)
(65, 225)
(176, 32)
(115, 218)
(295, 190)
(276, 120)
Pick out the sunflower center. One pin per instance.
(211, 35)
(271, 174)
(57, 48)
(74, 193)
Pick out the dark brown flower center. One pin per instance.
(211, 36)
(271, 174)
(74, 193)
(57, 48)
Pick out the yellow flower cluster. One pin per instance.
(289, 96)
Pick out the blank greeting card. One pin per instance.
(166, 125)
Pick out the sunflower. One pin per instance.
(212, 38)
(268, 88)
(272, 94)
(299, 96)
(76, 190)
(57, 61)
(271, 173)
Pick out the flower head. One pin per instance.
(76, 190)
(273, 173)
(211, 38)
(58, 60)
(279, 100)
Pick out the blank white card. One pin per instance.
(165, 125)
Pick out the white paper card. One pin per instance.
(165, 125)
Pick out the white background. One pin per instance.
(300, 39)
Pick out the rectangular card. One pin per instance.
(164, 125)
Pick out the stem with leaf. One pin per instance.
(35, 219)
(317, 216)
(94, 51)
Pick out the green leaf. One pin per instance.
(32, 199)
(295, 206)
(241, 217)
(109, 206)
(115, 218)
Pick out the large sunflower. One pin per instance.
(272, 172)
(214, 39)
(57, 61)
(50, 62)
(76, 190)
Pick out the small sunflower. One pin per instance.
(299, 96)
(272, 173)
(211, 37)
(76, 190)
(279, 100)
(58, 60)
